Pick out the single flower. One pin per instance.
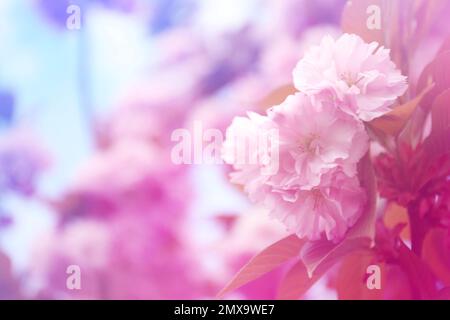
(359, 77)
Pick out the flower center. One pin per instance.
(307, 143)
(350, 79)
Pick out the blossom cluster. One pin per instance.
(322, 137)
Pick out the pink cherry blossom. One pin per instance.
(315, 189)
(315, 137)
(360, 77)
(331, 208)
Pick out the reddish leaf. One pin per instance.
(420, 276)
(265, 261)
(436, 254)
(396, 283)
(393, 122)
(320, 255)
(396, 215)
(296, 282)
(438, 143)
(351, 281)
(365, 227)
(437, 73)
(413, 133)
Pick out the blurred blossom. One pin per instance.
(55, 10)
(149, 112)
(128, 207)
(292, 17)
(6, 107)
(281, 54)
(83, 243)
(210, 63)
(9, 286)
(124, 5)
(126, 257)
(142, 251)
(131, 177)
(240, 96)
(22, 161)
(5, 220)
(179, 45)
(227, 63)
